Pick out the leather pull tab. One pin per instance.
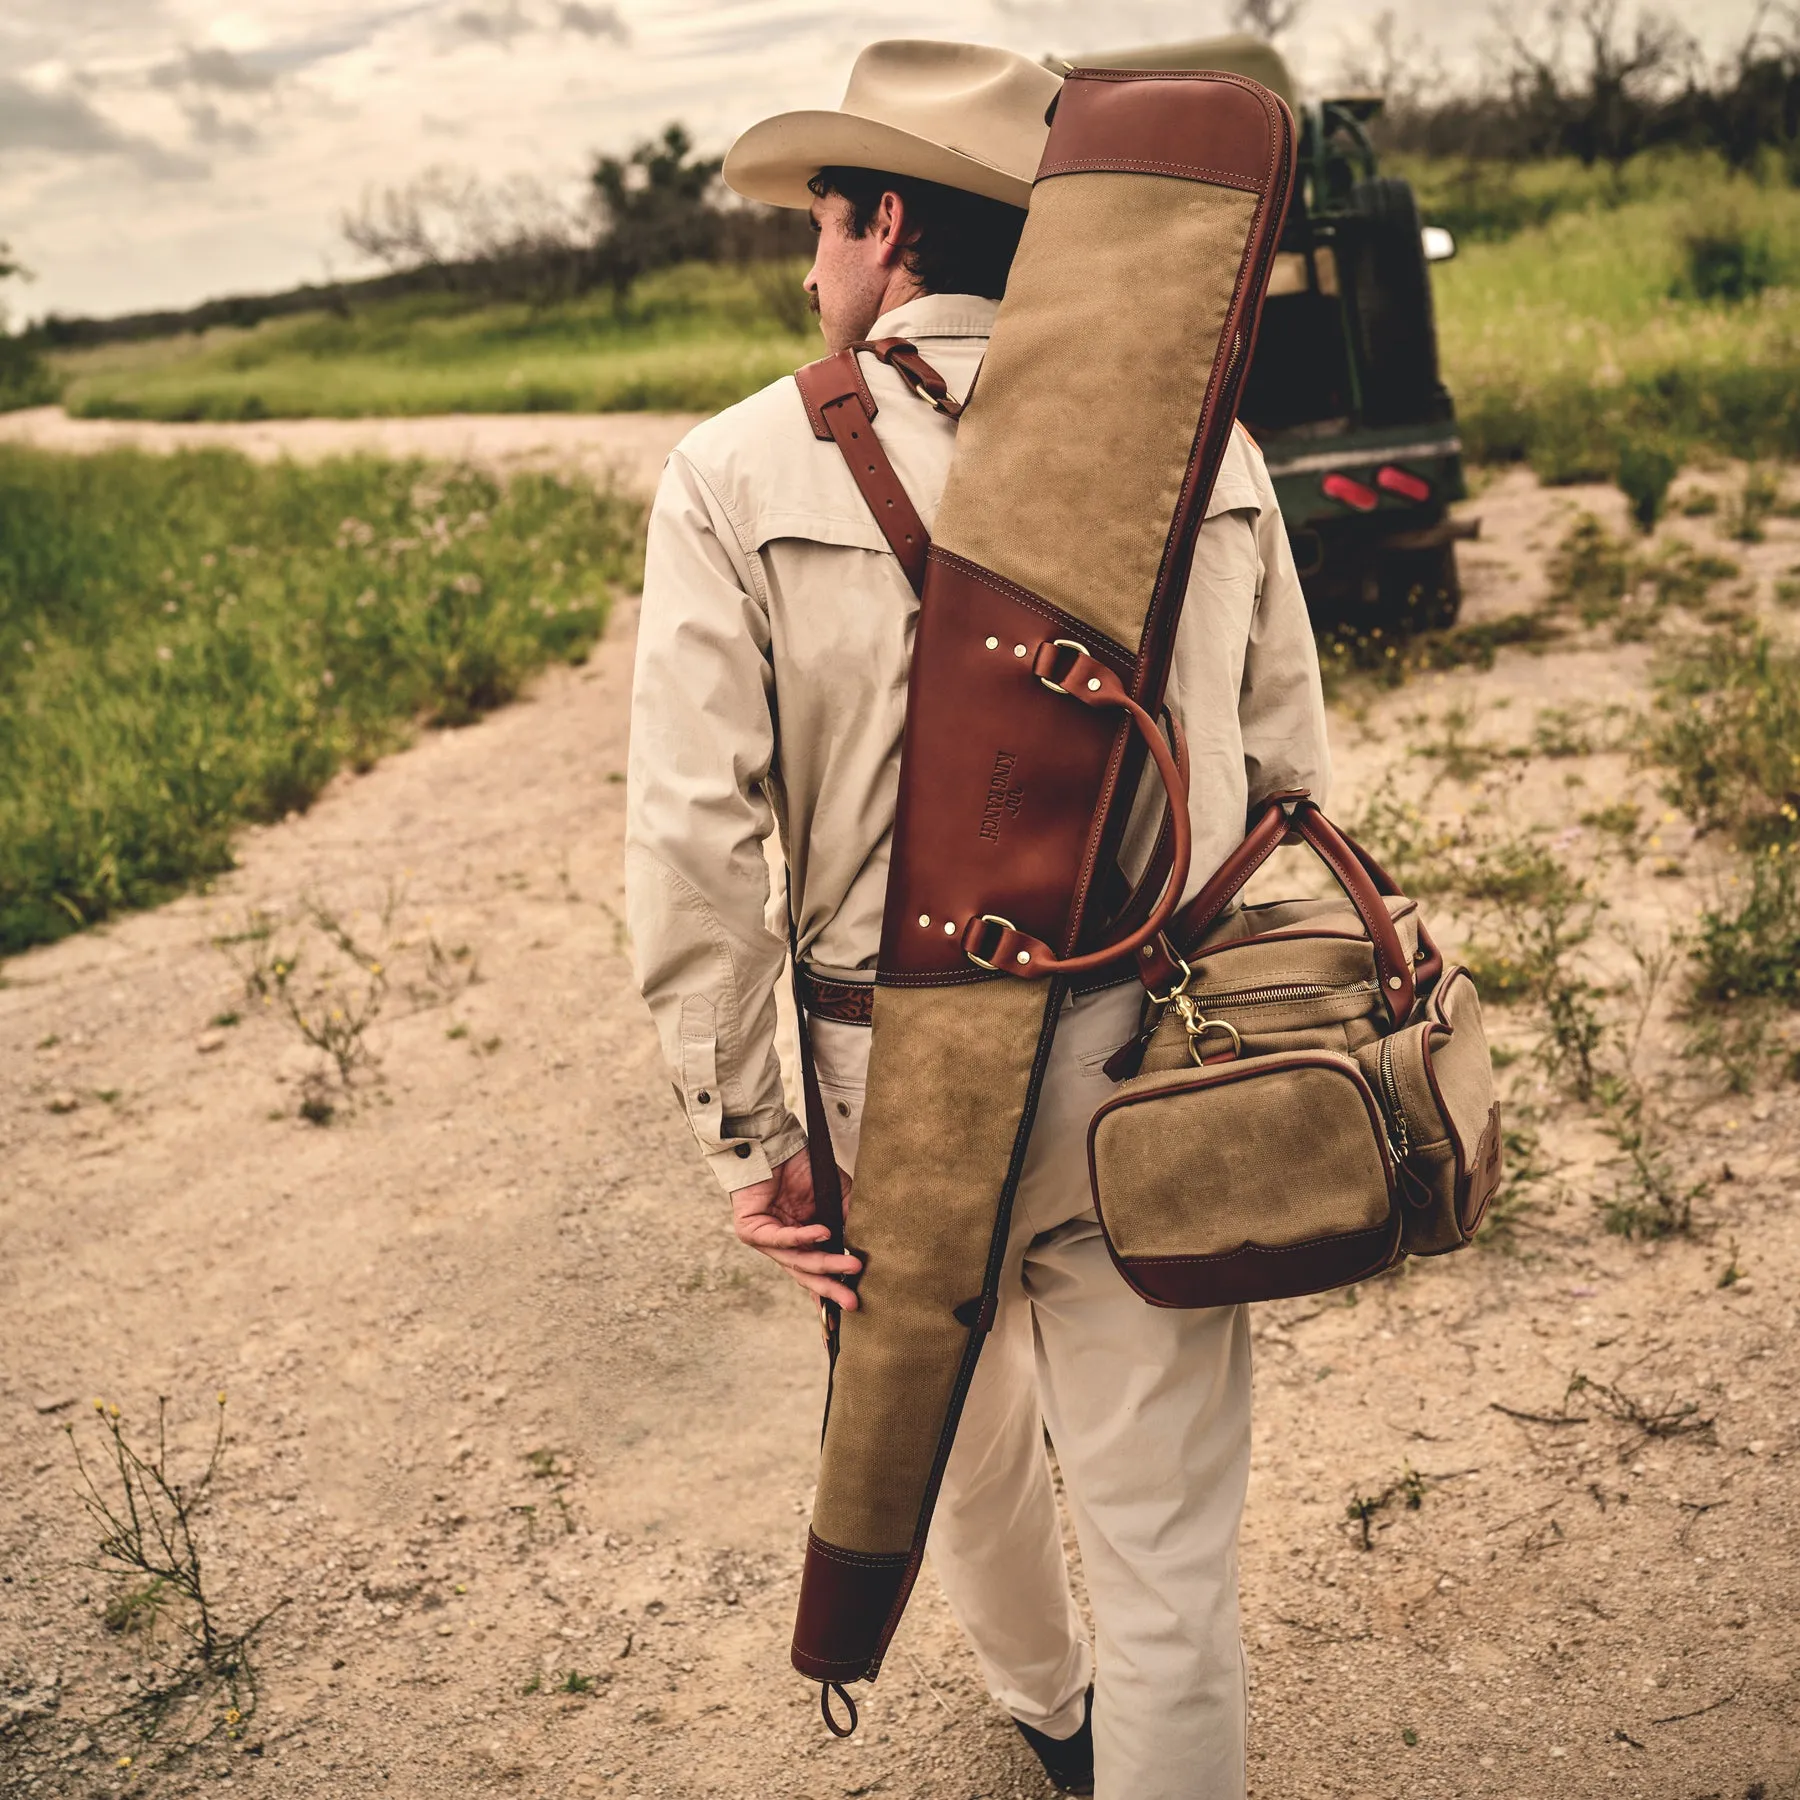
(826, 1690)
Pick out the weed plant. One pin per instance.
(1728, 730)
(149, 1530)
(190, 642)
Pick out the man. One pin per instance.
(770, 696)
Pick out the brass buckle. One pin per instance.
(1065, 644)
(1197, 1025)
(981, 962)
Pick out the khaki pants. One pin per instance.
(1149, 1411)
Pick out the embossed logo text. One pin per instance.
(1003, 800)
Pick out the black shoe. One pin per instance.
(1069, 1762)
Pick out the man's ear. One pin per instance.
(893, 230)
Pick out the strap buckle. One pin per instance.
(1000, 924)
(1056, 687)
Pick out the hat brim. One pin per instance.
(775, 160)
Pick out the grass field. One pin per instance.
(688, 339)
(1570, 337)
(193, 641)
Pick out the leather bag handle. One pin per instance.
(1363, 880)
(991, 942)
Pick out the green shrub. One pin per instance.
(1724, 258)
(193, 641)
(1645, 471)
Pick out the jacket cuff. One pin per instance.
(750, 1160)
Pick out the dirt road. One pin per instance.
(627, 448)
(525, 1442)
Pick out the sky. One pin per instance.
(159, 152)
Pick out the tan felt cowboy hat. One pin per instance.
(965, 115)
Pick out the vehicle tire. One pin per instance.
(1390, 297)
(1420, 589)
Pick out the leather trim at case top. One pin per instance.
(1083, 464)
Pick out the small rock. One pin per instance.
(81, 1746)
(1756, 1446)
(63, 1102)
(446, 1631)
(209, 1041)
(44, 1403)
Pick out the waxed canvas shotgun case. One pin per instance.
(1058, 565)
(1308, 1107)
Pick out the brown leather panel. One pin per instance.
(1254, 1273)
(842, 1002)
(845, 1599)
(1001, 780)
(1146, 122)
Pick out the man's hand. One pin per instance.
(777, 1217)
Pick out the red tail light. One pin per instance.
(1350, 493)
(1408, 487)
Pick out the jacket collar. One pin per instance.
(939, 316)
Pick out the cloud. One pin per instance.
(66, 124)
(210, 126)
(594, 21)
(212, 68)
(494, 26)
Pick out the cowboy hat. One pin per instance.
(965, 115)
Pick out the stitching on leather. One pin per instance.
(1347, 1237)
(1145, 165)
(864, 1559)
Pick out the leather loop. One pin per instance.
(906, 362)
(1067, 669)
(826, 1690)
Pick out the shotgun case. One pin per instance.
(1050, 596)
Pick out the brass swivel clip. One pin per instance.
(1199, 1027)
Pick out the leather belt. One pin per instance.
(842, 1002)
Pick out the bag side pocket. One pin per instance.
(1436, 1083)
(1251, 1180)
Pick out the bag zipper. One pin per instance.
(1299, 990)
(1390, 1102)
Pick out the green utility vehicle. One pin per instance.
(1343, 393)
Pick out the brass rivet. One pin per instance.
(993, 643)
(949, 928)
(1393, 981)
(1018, 649)
(1093, 684)
(1024, 956)
(924, 918)
(1148, 950)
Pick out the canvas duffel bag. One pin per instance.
(1311, 1096)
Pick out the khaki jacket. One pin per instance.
(770, 692)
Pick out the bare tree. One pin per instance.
(1266, 18)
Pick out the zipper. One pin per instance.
(1390, 1102)
(1299, 990)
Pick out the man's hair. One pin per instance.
(962, 243)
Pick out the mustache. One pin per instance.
(812, 301)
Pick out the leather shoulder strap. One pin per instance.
(840, 407)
